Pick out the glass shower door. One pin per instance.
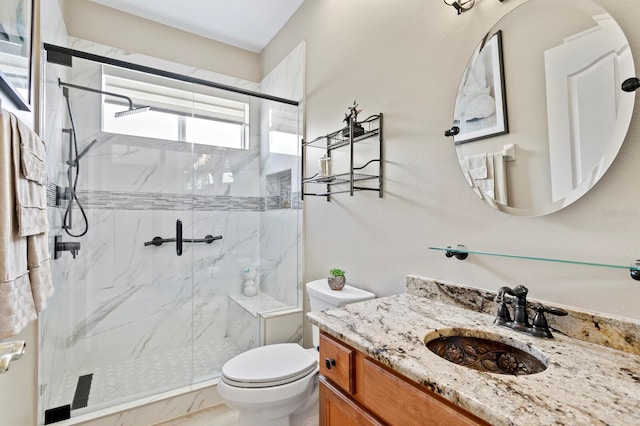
(120, 326)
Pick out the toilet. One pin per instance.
(277, 385)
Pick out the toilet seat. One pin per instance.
(269, 366)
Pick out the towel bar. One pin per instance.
(10, 351)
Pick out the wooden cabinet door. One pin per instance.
(336, 409)
(336, 363)
(400, 403)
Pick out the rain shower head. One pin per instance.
(130, 111)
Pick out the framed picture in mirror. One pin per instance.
(481, 105)
(16, 26)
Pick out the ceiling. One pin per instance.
(247, 24)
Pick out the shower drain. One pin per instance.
(83, 388)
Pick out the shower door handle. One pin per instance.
(179, 237)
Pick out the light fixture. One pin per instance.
(460, 5)
(630, 84)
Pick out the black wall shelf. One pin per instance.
(349, 136)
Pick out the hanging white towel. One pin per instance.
(494, 188)
(25, 276)
(30, 179)
(477, 166)
(486, 185)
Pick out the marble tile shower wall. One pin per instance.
(281, 229)
(119, 299)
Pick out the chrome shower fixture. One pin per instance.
(131, 109)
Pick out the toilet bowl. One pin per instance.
(277, 385)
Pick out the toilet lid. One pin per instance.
(269, 365)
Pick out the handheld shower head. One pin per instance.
(130, 111)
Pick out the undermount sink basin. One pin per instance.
(484, 351)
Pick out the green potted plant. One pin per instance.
(336, 279)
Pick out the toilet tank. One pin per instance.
(321, 297)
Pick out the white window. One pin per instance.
(180, 111)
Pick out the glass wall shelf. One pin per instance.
(461, 252)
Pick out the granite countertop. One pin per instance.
(584, 383)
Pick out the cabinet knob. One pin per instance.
(329, 362)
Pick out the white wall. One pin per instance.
(405, 59)
(92, 21)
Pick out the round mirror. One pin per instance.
(556, 68)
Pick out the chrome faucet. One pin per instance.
(539, 328)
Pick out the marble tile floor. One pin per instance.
(136, 378)
(220, 415)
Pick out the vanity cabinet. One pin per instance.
(354, 166)
(357, 390)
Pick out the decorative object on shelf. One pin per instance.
(351, 119)
(250, 289)
(16, 19)
(336, 279)
(325, 166)
(631, 84)
(249, 274)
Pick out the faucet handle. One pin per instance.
(540, 326)
(541, 309)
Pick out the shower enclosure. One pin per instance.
(177, 202)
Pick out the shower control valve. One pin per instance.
(62, 194)
(69, 246)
